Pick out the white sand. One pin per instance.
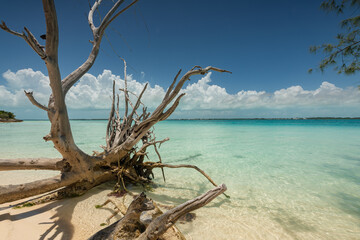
(77, 218)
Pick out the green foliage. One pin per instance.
(339, 6)
(344, 54)
(74, 195)
(6, 115)
(28, 204)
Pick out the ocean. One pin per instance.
(287, 179)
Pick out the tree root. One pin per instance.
(159, 225)
(151, 165)
(80, 171)
(132, 227)
(117, 208)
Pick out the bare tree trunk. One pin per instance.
(121, 159)
(31, 163)
(9, 192)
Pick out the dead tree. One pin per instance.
(131, 226)
(121, 158)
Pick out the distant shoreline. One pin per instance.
(214, 119)
(10, 120)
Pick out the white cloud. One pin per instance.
(93, 92)
(24, 79)
(96, 92)
(202, 95)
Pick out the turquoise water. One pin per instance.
(288, 179)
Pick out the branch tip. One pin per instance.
(30, 96)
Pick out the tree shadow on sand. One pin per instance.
(59, 223)
(59, 226)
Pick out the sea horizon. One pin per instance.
(177, 119)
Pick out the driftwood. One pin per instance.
(122, 158)
(132, 227)
(31, 163)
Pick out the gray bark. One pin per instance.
(131, 226)
(120, 158)
(158, 226)
(31, 163)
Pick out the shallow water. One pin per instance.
(288, 179)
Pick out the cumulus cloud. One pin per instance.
(203, 95)
(93, 92)
(24, 79)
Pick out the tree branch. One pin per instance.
(109, 127)
(105, 22)
(160, 160)
(30, 163)
(158, 226)
(137, 102)
(171, 86)
(146, 145)
(171, 94)
(120, 12)
(15, 192)
(347, 47)
(35, 45)
(152, 165)
(123, 90)
(30, 39)
(36, 103)
(126, 97)
(167, 114)
(98, 33)
(138, 131)
(91, 14)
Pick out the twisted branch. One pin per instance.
(152, 165)
(129, 134)
(158, 226)
(29, 39)
(98, 33)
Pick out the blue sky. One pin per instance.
(264, 43)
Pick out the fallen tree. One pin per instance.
(121, 159)
(135, 225)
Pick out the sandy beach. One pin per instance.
(178, 99)
(73, 218)
(77, 218)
